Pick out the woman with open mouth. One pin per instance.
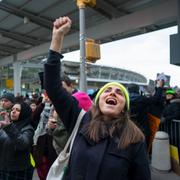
(108, 145)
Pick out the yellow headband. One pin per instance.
(121, 87)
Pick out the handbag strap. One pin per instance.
(74, 132)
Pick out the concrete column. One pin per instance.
(17, 76)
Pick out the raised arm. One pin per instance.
(65, 105)
(61, 27)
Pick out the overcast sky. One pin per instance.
(147, 54)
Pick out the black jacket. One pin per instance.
(140, 106)
(171, 111)
(16, 141)
(15, 147)
(90, 160)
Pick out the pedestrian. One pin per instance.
(7, 101)
(55, 126)
(108, 144)
(172, 108)
(43, 152)
(16, 137)
(140, 106)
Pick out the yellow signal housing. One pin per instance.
(90, 3)
(9, 83)
(92, 50)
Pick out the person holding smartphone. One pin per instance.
(16, 137)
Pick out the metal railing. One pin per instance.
(173, 129)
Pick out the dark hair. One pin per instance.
(32, 101)
(120, 127)
(41, 78)
(25, 111)
(8, 96)
(133, 88)
(24, 116)
(66, 79)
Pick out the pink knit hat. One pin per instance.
(84, 100)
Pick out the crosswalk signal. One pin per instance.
(92, 50)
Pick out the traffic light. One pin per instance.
(92, 50)
(90, 3)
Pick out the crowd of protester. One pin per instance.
(112, 140)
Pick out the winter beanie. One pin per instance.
(8, 96)
(121, 87)
(83, 100)
(171, 91)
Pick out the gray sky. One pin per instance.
(147, 54)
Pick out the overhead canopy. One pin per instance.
(25, 25)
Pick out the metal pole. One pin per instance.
(1, 81)
(178, 16)
(178, 31)
(82, 83)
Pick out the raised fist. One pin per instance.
(61, 26)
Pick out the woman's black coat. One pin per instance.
(90, 160)
(16, 141)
